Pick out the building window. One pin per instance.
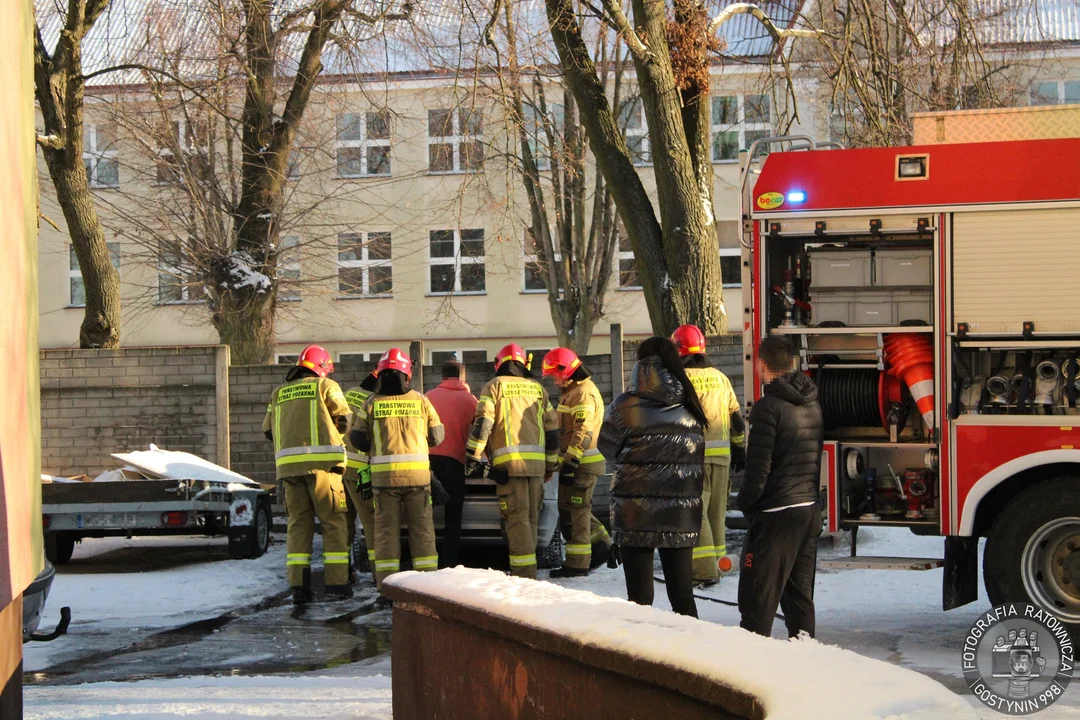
(289, 269)
(1056, 92)
(77, 291)
(628, 274)
(535, 268)
(293, 171)
(363, 144)
(457, 262)
(287, 359)
(364, 268)
(190, 140)
(358, 358)
(634, 127)
(100, 156)
(174, 278)
(737, 121)
(731, 267)
(455, 140)
(537, 128)
(441, 357)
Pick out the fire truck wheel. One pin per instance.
(1033, 550)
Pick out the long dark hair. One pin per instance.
(664, 349)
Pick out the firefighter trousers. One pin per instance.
(307, 496)
(365, 509)
(579, 526)
(712, 542)
(519, 503)
(411, 505)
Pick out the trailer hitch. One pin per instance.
(60, 629)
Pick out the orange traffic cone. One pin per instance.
(911, 359)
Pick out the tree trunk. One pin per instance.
(245, 322)
(101, 319)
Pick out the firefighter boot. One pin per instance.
(338, 592)
(301, 594)
(569, 572)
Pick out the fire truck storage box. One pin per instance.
(911, 267)
(840, 268)
(1014, 266)
(871, 307)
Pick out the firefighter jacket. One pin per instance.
(581, 413)
(516, 423)
(356, 461)
(302, 419)
(719, 403)
(399, 429)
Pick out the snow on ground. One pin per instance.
(115, 600)
(218, 698)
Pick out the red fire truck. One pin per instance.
(933, 293)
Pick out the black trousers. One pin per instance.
(678, 565)
(451, 474)
(778, 566)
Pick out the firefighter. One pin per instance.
(358, 476)
(396, 426)
(520, 430)
(724, 442)
(580, 412)
(305, 419)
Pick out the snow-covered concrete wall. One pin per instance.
(477, 644)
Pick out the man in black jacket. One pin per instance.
(779, 496)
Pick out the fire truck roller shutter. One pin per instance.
(1033, 549)
(1015, 266)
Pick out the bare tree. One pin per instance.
(572, 229)
(881, 62)
(59, 86)
(675, 243)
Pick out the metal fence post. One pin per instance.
(416, 352)
(618, 381)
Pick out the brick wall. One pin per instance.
(97, 402)
(724, 351)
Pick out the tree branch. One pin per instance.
(748, 8)
(622, 24)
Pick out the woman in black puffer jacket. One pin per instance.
(654, 435)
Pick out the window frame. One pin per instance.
(457, 261)
(621, 255)
(461, 354)
(644, 156)
(178, 273)
(1059, 84)
(278, 358)
(289, 263)
(536, 131)
(185, 142)
(95, 156)
(741, 125)
(532, 259)
(365, 264)
(736, 253)
(364, 143)
(75, 274)
(456, 140)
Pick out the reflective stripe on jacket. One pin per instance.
(398, 428)
(512, 418)
(355, 461)
(301, 416)
(581, 413)
(719, 402)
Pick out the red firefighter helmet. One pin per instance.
(316, 359)
(394, 359)
(689, 340)
(513, 351)
(561, 363)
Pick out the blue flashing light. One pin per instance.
(796, 196)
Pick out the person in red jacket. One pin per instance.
(454, 402)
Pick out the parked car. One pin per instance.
(34, 604)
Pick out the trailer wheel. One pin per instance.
(1033, 551)
(59, 547)
(252, 541)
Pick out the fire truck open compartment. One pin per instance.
(931, 294)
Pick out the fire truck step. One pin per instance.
(870, 562)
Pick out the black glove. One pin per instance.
(269, 435)
(614, 558)
(366, 493)
(498, 475)
(738, 458)
(473, 469)
(567, 473)
(439, 496)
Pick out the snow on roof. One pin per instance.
(1018, 22)
(787, 677)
